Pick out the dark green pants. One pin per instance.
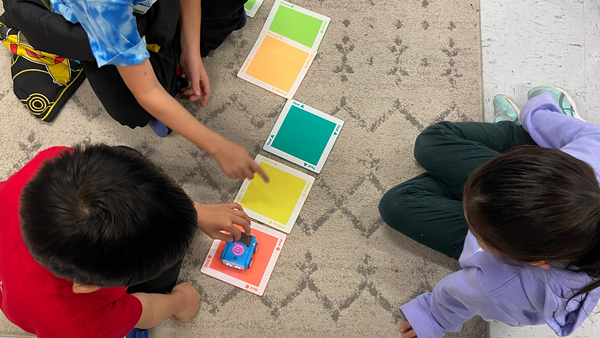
(428, 208)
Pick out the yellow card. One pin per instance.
(278, 203)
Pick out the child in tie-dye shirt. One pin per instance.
(137, 86)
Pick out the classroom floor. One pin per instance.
(371, 56)
(388, 68)
(529, 43)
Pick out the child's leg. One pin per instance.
(428, 208)
(118, 100)
(450, 152)
(219, 19)
(423, 209)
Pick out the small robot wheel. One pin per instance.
(250, 264)
(256, 248)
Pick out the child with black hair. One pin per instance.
(92, 238)
(518, 206)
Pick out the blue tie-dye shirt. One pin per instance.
(111, 28)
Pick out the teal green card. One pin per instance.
(297, 23)
(303, 135)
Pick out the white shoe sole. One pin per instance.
(571, 100)
(515, 107)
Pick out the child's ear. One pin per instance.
(540, 264)
(78, 288)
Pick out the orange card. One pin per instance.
(277, 64)
(254, 279)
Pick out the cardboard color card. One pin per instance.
(252, 6)
(303, 135)
(296, 23)
(278, 203)
(254, 279)
(277, 64)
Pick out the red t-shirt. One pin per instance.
(38, 301)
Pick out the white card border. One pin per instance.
(282, 116)
(288, 95)
(287, 228)
(326, 20)
(252, 12)
(239, 283)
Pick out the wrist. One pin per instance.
(190, 49)
(190, 43)
(198, 208)
(216, 144)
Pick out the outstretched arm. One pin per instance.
(149, 93)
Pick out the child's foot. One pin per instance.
(137, 333)
(566, 103)
(505, 109)
(159, 128)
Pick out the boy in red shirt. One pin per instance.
(92, 238)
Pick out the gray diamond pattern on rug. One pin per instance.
(388, 68)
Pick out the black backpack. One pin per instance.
(33, 31)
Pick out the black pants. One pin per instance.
(161, 284)
(219, 19)
(428, 208)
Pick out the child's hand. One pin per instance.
(408, 331)
(191, 297)
(195, 73)
(236, 163)
(214, 218)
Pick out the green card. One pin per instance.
(303, 135)
(252, 6)
(297, 23)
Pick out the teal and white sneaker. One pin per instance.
(565, 101)
(505, 109)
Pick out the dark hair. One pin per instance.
(537, 204)
(105, 216)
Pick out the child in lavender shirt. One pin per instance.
(518, 205)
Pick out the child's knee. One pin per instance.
(397, 205)
(428, 142)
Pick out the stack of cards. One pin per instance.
(256, 278)
(302, 135)
(285, 49)
(276, 204)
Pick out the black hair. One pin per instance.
(105, 216)
(537, 204)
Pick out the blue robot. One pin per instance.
(238, 254)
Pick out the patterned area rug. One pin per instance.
(388, 68)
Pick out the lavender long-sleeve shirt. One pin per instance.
(515, 295)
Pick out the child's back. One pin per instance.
(90, 227)
(523, 220)
(35, 299)
(517, 295)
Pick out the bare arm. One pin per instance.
(190, 14)
(190, 17)
(149, 93)
(181, 305)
